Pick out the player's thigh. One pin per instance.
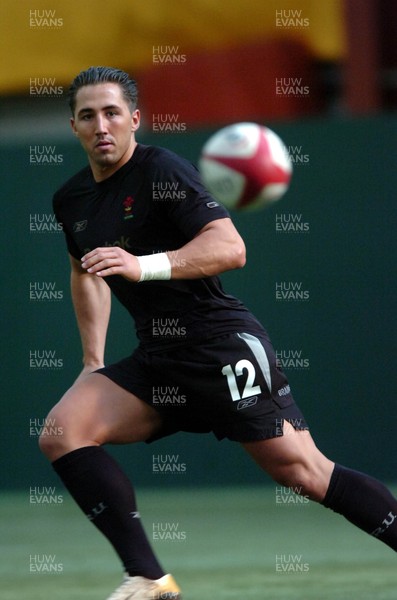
(98, 409)
(294, 460)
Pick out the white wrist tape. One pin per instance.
(154, 266)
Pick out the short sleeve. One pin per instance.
(72, 247)
(189, 205)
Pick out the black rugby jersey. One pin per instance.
(153, 203)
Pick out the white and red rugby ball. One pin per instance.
(245, 166)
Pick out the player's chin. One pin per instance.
(104, 160)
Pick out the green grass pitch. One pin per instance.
(224, 543)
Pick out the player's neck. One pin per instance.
(100, 173)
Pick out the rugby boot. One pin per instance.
(140, 588)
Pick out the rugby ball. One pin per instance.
(245, 166)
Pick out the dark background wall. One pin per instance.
(341, 339)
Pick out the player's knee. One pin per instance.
(52, 437)
(48, 445)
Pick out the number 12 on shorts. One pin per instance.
(249, 389)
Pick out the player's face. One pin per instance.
(105, 127)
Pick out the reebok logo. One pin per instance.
(247, 402)
(80, 226)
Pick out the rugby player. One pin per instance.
(161, 259)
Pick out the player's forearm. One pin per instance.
(216, 249)
(91, 301)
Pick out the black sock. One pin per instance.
(365, 502)
(106, 496)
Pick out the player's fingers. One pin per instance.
(100, 249)
(99, 254)
(105, 263)
(111, 261)
(117, 270)
(91, 255)
(128, 270)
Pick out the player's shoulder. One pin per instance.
(154, 158)
(74, 184)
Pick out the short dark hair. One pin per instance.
(95, 75)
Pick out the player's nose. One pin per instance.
(100, 125)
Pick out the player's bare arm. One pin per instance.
(92, 302)
(218, 247)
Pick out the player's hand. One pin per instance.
(112, 261)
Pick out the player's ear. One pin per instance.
(73, 126)
(135, 120)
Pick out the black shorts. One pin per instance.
(230, 385)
